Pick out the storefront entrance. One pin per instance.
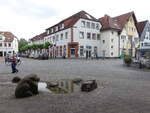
(73, 49)
(88, 51)
(72, 52)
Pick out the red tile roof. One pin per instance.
(117, 22)
(108, 23)
(9, 37)
(140, 26)
(70, 21)
(39, 37)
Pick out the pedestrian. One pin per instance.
(6, 58)
(13, 64)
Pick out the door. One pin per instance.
(1, 53)
(72, 52)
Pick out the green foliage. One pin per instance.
(127, 60)
(35, 46)
(47, 44)
(21, 43)
(148, 54)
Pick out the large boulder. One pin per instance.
(28, 86)
(89, 85)
(16, 79)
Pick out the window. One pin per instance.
(61, 37)
(81, 50)
(112, 40)
(93, 25)
(60, 50)
(103, 41)
(81, 35)
(0, 44)
(98, 37)
(142, 44)
(112, 53)
(1, 37)
(56, 28)
(5, 44)
(94, 36)
(57, 37)
(123, 37)
(88, 24)
(82, 23)
(97, 26)
(47, 31)
(61, 26)
(66, 35)
(136, 40)
(53, 38)
(52, 30)
(9, 45)
(88, 35)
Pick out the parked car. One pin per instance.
(43, 56)
(144, 62)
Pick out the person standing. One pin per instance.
(13, 64)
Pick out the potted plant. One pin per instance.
(127, 60)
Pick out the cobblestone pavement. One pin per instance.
(126, 89)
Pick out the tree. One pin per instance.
(22, 42)
(47, 44)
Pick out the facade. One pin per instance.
(119, 35)
(8, 43)
(76, 36)
(38, 39)
(144, 34)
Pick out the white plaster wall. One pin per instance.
(86, 42)
(14, 46)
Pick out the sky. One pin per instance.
(27, 18)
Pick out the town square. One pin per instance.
(122, 89)
(74, 56)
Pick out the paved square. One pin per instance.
(126, 90)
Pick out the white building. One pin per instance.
(76, 36)
(119, 35)
(8, 43)
(144, 34)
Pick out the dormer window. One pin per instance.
(1, 38)
(56, 28)
(52, 30)
(47, 32)
(61, 26)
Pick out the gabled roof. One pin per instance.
(70, 21)
(140, 26)
(9, 37)
(117, 22)
(39, 37)
(108, 23)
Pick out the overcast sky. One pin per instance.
(27, 18)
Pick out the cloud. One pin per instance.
(29, 8)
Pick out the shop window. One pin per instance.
(81, 50)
